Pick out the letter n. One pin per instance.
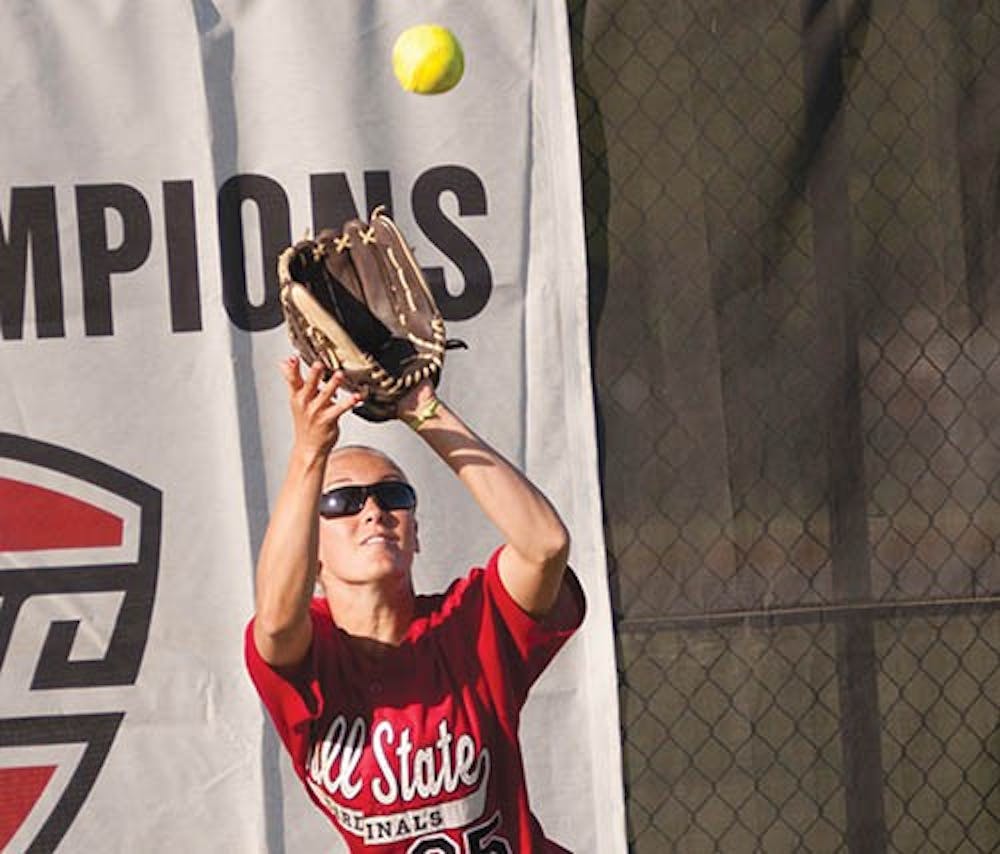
(32, 222)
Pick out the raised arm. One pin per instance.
(288, 563)
(533, 562)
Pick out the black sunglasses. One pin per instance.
(348, 500)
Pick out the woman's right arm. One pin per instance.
(288, 562)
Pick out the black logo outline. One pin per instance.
(120, 663)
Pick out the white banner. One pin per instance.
(155, 158)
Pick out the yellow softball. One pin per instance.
(427, 59)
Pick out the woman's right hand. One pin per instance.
(316, 410)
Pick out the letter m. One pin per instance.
(32, 222)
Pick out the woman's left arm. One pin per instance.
(533, 562)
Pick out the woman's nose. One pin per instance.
(372, 509)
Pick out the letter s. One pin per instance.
(451, 240)
(387, 793)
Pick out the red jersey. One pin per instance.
(417, 753)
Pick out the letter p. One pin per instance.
(98, 260)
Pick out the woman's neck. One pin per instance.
(379, 613)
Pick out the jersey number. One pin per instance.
(478, 840)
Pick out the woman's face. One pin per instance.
(374, 544)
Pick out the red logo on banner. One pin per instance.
(21, 789)
(38, 518)
(70, 527)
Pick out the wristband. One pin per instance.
(424, 414)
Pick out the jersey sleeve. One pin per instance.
(291, 695)
(516, 647)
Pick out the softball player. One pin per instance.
(400, 712)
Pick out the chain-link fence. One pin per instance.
(792, 216)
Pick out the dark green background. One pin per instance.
(792, 230)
